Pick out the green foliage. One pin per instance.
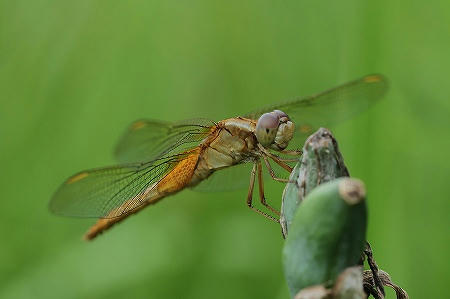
(327, 235)
(321, 162)
(74, 74)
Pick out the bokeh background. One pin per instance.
(74, 74)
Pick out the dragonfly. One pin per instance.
(159, 158)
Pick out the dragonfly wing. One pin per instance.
(329, 107)
(236, 177)
(112, 191)
(145, 140)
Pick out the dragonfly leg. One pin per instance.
(274, 158)
(281, 163)
(282, 159)
(272, 173)
(292, 152)
(286, 160)
(262, 198)
(250, 196)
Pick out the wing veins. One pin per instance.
(146, 171)
(129, 202)
(149, 139)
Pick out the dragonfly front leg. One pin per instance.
(272, 173)
(292, 152)
(274, 158)
(295, 153)
(262, 198)
(285, 160)
(282, 163)
(250, 195)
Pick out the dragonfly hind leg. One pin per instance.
(250, 196)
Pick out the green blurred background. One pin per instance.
(74, 74)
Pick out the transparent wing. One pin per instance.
(329, 107)
(100, 192)
(146, 140)
(112, 191)
(232, 178)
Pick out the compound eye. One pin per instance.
(266, 128)
(283, 117)
(279, 113)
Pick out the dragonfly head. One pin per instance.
(274, 130)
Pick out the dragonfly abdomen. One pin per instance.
(176, 180)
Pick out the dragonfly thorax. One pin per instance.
(274, 130)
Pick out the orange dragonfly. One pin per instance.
(162, 158)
